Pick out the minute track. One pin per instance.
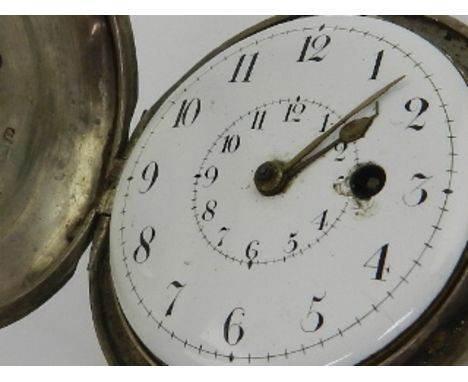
(237, 125)
(404, 278)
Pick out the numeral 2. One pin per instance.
(419, 106)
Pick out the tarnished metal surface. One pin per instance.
(64, 109)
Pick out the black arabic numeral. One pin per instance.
(418, 194)
(179, 286)
(295, 110)
(250, 63)
(340, 148)
(251, 252)
(233, 332)
(325, 123)
(223, 231)
(321, 220)
(378, 62)
(150, 174)
(292, 243)
(142, 252)
(317, 45)
(378, 265)
(209, 212)
(259, 118)
(211, 174)
(314, 319)
(231, 143)
(188, 112)
(416, 106)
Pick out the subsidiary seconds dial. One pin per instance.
(228, 168)
(290, 199)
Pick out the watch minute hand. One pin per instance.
(351, 132)
(316, 142)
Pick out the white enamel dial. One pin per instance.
(208, 270)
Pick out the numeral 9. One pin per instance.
(150, 174)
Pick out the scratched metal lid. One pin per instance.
(67, 91)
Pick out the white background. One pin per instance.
(61, 332)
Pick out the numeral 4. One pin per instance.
(377, 261)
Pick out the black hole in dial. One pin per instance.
(367, 181)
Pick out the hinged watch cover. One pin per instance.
(68, 88)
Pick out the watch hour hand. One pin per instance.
(272, 177)
(350, 132)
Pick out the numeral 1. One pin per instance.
(325, 123)
(377, 63)
(240, 65)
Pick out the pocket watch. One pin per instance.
(297, 198)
